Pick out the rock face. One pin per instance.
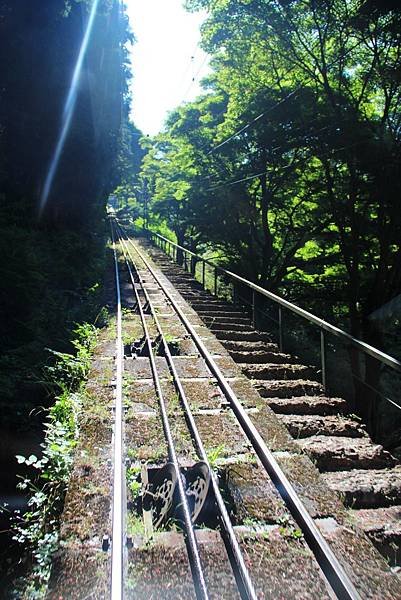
(364, 474)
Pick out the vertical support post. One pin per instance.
(280, 328)
(253, 308)
(215, 281)
(323, 357)
(203, 273)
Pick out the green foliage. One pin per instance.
(70, 369)
(37, 529)
(285, 163)
(134, 485)
(215, 454)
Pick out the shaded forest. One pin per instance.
(52, 256)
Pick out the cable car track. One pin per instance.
(333, 570)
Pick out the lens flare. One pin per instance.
(68, 111)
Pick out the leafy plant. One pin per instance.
(37, 528)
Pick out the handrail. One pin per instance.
(371, 350)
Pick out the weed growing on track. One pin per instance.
(37, 529)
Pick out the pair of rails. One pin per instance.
(337, 578)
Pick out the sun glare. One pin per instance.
(68, 111)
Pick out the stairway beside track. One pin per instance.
(364, 474)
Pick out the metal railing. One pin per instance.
(189, 261)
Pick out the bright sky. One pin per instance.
(165, 59)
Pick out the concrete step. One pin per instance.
(373, 488)
(305, 405)
(302, 426)
(383, 527)
(260, 357)
(273, 371)
(290, 388)
(223, 334)
(332, 453)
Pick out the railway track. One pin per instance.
(192, 422)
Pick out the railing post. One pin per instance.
(323, 357)
(280, 328)
(203, 273)
(253, 309)
(215, 281)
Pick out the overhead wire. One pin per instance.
(274, 149)
(253, 121)
(230, 183)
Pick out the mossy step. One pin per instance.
(224, 334)
(339, 453)
(222, 326)
(221, 313)
(373, 488)
(269, 371)
(260, 356)
(306, 405)
(301, 426)
(383, 527)
(244, 346)
(232, 320)
(297, 396)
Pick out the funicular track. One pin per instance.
(146, 285)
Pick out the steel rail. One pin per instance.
(118, 512)
(331, 567)
(190, 537)
(233, 549)
(386, 359)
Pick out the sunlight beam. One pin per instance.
(68, 111)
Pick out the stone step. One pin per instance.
(192, 289)
(218, 325)
(331, 453)
(234, 320)
(199, 304)
(224, 334)
(260, 357)
(269, 371)
(383, 527)
(305, 405)
(222, 313)
(373, 488)
(290, 388)
(180, 277)
(301, 426)
(239, 346)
